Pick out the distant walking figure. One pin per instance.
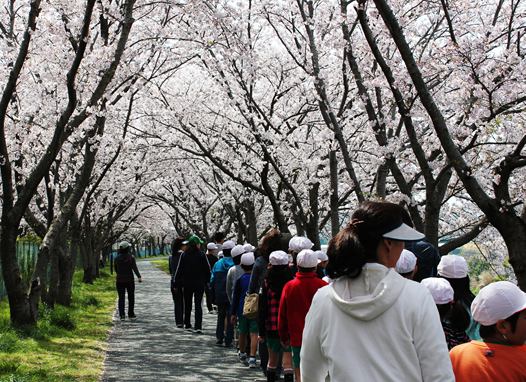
(125, 265)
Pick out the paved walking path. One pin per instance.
(152, 348)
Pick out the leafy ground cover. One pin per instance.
(68, 344)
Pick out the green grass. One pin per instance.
(68, 344)
(162, 265)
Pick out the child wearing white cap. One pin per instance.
(406, 264)
(295, 302)
(455, 318)
(501, 310)
(296, 245)
(455, 270)
(234, 272)
(246, 326)
(277, 276)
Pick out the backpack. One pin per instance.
(250, 309)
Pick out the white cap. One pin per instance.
(398, 230)
(220, 254)
(406, 262)
(292, 244)
(300, 243)
(440, 289)
(307, 259)
(322, 256)
(238, 250)
(497, 301)
(453, 267)
(229, 244)
(211, 246)
(247, 258)
(249, 247)
(124, 244)
(279, 258)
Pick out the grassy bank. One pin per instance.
(68, 344)
(162, 265)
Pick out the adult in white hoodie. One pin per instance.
(371, 324)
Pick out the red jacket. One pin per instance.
(295, 302)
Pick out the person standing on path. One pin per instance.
(125, 266)
(178, 247)
(192, 274)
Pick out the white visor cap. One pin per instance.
(211, 246)
(404, 233)
(237, 250)
(441, 290)
(497, 301)
(406, 262)
(453, 267)
(307, 259)
(279, 258)
(247, 259)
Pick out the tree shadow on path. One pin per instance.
(152, 348)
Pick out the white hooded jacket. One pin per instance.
(377, 327)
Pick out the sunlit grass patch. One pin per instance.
(68, 343)
(162, 264)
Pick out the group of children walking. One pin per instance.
(485, 334)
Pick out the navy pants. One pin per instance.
(196, 293)
(122, 287)
(223, 311)
(178, 305)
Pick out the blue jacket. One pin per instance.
(238, 295)
(218, 280)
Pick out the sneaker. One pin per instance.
(252, 363)
(219, 342)
(132, 317)
(123, 318)
(200, 331)
(188, 327)
(243, 357)
(180, 325)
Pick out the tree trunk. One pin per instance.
(68, 263)
(16, 290)
(50, 296)
(335, 215)
(250, 213)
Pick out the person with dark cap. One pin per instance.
(125, 266)
(178, 247)
(192, 274)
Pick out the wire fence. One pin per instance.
(27, 256)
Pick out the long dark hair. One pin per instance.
(271, 242)
(277, 276)
(354, 246)
(177, 244)
(463, 293)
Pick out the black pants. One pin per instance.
(196, 293)
(178, 305)
(122, 287)
(208, 294)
